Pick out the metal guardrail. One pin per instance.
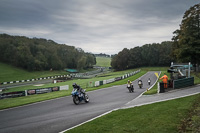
(181, 83)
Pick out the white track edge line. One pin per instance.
(160, 100)
(89, 120)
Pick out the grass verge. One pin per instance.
(11, 73)
(196, 77)
(191, 123)
(160, 117)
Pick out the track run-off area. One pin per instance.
(60, 114)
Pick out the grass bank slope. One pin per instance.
(10, 73)
(103, 61)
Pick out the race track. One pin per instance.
(56, 115)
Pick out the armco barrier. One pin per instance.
(110, 80)
(12, 94)
(98, 83)
(90, 84)
(28, 80)
(42, 90)
(181, 83)
(33, 91)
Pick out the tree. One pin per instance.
(41, 54)
(187, 39)
(148, 55)
(81, 63)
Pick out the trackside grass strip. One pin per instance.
(163, 117)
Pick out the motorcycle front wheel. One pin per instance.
(76, 100)
(140, 86)
(87, 98)
(129, 89)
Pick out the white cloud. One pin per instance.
(98, 26)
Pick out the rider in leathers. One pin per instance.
(80, 90)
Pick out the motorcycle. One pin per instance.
(130, 88)
(140, 84)
(78, 96)
(149, 82)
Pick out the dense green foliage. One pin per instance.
(41, 54)
(148, 55)
(186, 40)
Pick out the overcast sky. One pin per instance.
(97, 26)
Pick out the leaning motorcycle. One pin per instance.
(78, 96)
(130, 88)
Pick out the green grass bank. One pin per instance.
(163, 117)
(103, 61)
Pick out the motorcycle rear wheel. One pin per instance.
(76, 100)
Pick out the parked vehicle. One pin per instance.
(78, 96)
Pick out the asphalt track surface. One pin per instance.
(56, 115)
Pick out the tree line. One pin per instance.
(41, 54)
(147, 55)
(184, 47)
(102, 55)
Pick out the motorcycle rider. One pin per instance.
(130, 83)
(140, 82)
(149, 81)
(80, 90)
